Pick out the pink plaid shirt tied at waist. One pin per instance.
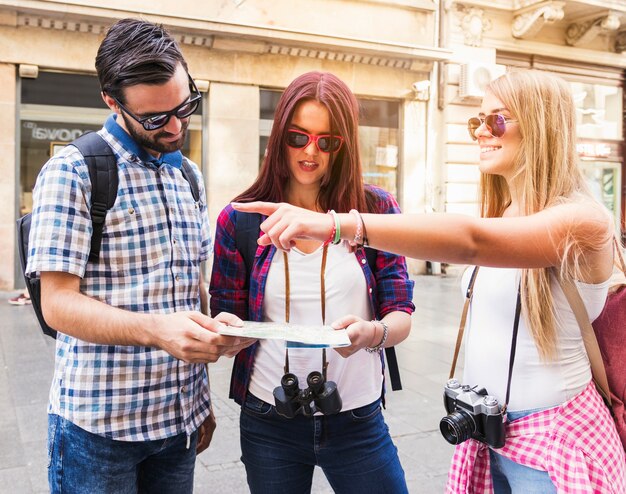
(576, 443)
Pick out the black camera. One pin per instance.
(472, 413)
(320, 396)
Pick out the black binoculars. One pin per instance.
(320, 396)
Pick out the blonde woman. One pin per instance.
(538, 222)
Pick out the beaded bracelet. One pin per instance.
(379, 347)
(358, 233)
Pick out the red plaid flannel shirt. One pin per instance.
(390, 288)
(576, 443)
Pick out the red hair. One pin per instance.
(342, 187)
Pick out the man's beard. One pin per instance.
(150, 139)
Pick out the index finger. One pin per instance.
(264, 208)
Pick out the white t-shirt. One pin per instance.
(535, 384)
(359, 378)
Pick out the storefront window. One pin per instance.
(378, 136)
(604, 180)
(56, 109)
(601, 163)
(598, 110)
(39, 141)
(599, 128)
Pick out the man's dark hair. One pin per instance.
(136, 52)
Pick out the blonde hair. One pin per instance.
(547, 168)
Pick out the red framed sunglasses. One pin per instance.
(495, 123)
(326, 143)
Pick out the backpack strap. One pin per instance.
(102, 165)
(370, 255)
(394, 370)
(246, 233)
(598, 371)
(390, 352)
(189, 175)
(570, 290)
(617, 249)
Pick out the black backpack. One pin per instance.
(246, 234)
(102, 166)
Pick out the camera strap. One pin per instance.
(518, 310)
(322, 298)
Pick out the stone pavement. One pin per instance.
(413, 414)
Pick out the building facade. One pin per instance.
(242, 53)
(418, 68)
(582, 41)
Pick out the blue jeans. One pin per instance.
(512, 478)
(81, 462)
(353, 448)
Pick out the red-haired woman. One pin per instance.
(313, 161)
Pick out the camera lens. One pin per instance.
(457, 427)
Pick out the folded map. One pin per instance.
(306, 335)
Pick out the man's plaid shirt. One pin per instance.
(154, 239)
(389, 288)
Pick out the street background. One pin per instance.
(413, 414)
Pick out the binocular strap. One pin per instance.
(322, 299)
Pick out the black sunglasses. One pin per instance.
(495, 123)
(158, 120)
(326, 143)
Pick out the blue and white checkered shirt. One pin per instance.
(153, 241)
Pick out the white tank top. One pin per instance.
(359, 377)
(535, 384)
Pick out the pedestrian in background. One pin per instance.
(129, 404)
(23, 298)
(539, 222)
(313, 162)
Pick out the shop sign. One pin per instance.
(43, 133)
(597, 150)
